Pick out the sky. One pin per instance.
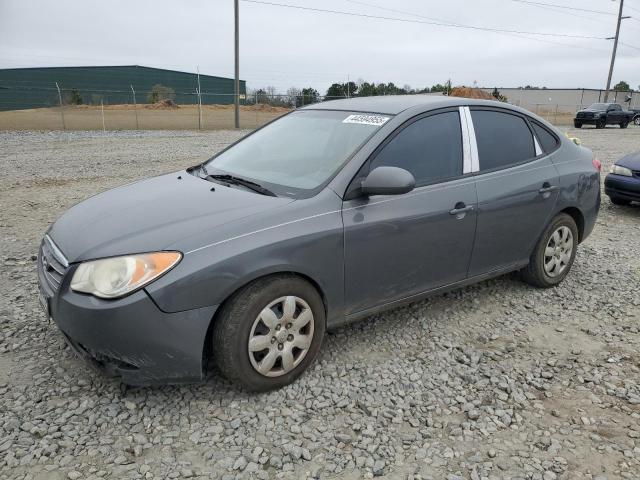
(284, 47)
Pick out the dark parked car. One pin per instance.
(603, 114)
(324, 216)
(622, 184)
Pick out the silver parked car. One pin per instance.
(324, 216)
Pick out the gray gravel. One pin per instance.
(495, 381)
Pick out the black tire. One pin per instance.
(636, 120)
(577, 124)
(233, 326)
(601, 123)
(535, 273)
(624, 124)
(619, 201)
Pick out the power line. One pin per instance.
(629, 46)
(556, 5)
(633, 8)
(404, 12)
(565, 12)
(438, 24)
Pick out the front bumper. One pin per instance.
(587, 121)
(620, 186)
(131, 337)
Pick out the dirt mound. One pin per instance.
(264, 107)
(162, 104)
(468, 92)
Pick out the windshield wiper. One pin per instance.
(256, 187)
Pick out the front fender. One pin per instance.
(311, 246)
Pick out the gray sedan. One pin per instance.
(327, 215)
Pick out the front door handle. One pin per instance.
(461, 209)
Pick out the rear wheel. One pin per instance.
(554, 253)
(619, 201)
(269, 333)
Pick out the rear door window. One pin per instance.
(430, 148)
(503, 139)
(546, 139)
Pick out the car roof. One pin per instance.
(394, 104)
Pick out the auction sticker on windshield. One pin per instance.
(376, 120)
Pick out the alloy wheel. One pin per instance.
(557, 253)
(281, 336)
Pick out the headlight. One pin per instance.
(618, 170)
(117, 276)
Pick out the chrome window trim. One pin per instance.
(466, 142)
(57, 254)
(473, 145)
(538, 149)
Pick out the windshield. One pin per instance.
(599, 106)
(298, 152)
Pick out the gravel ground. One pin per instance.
(495, 381)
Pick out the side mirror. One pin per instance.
(387, 181)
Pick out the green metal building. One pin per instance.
(22, 88)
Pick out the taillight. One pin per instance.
(597, 164)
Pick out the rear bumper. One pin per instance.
(627, 188)
(131, 337)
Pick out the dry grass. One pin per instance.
(149, 117)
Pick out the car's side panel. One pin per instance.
(579, 183)
(306, 239)
(400, 246)
(512, 213)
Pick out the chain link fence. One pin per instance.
(162, 108)
(74, 109)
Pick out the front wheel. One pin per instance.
(624, 124)
(554, 253)
(269, 332)
(577, 124)
(636, 120)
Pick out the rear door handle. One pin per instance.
(548, 188)
(461, 208)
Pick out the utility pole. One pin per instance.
(237, 55)
(613, 54)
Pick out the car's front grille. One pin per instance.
(584, 115)
(52, 264)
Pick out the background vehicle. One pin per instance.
(327, 215)
(622, 184)
(602, 114)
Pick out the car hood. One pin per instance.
(592, 110)
(153, 214)
(631, 161)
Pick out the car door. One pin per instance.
(398, 246)
(517, 186)
(615, 115)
